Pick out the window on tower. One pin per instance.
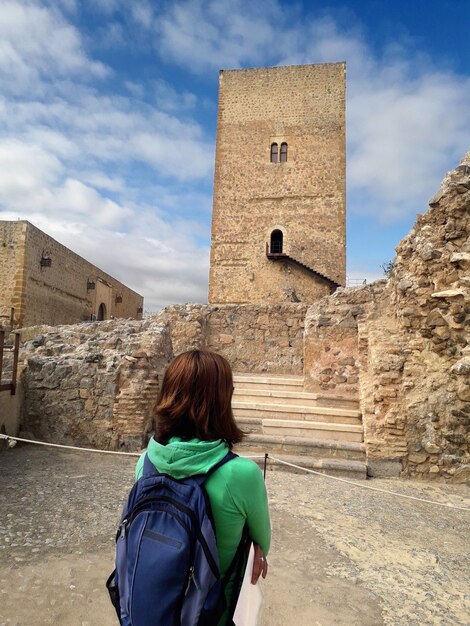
(274, 153)
(276, 242)
(283, 154)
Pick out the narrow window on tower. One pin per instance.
(276, 242)
(283, 155)
(274, 153)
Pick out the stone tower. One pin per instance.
(279, 220)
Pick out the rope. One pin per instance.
(77, 449)
(259, 456)
(350, 482)
(57, 445)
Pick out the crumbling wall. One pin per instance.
(331, 356)
(429, 292)
(253, 338)
(94, 383)
(402, 346)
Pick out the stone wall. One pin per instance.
(303, 197)
(425, 354)
(331, 351)
(93, 384)
(12, 280)
(252, 338)
(402, 346)
(48, 283)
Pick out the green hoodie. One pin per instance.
(236, 491)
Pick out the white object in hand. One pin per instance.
(250, 599)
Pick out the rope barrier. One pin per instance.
(78, 449)
(260, 456)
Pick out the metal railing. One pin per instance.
(354, 282)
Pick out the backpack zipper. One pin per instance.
(200, 537)
(190, 578)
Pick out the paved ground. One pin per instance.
(340, 555)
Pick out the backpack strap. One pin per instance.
(236, 571)
(148, 468)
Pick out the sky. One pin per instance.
(109, 110)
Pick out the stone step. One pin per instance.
(301, 447)
(356, 470)
(303, 428)
(243, 394)
(296, 412)
(254, 381)
(266, 413)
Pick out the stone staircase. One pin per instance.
(313, 430)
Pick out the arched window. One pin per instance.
(274, 153)
(101, 312)
(283, 154)
(276, 242)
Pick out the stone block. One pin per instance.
(384, 468)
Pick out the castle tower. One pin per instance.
(279, 220)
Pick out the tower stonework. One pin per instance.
(279, 219)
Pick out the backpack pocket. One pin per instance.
(162, 565)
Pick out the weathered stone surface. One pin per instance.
(409, 349)
(82, 386)
(253, 338)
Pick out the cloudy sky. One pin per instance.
(108, 120)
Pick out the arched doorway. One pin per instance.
(276, 242)
(101, 312)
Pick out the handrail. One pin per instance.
(281, 256)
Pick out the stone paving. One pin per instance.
(340, 555)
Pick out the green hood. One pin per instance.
(180, 459)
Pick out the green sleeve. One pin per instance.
(249, 495)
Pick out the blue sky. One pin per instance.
(109, 108)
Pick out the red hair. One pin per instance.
(196, 399)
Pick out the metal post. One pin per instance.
(265, 464)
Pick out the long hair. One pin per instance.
(196, 399)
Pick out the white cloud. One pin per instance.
(36, 44)
(169, 99)
(125, 183)
(202, 35)
(407, 120)
(167, 268)
(142, 13)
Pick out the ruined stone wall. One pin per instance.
(403, 346)
(331, 350)
(430, 292)
(56, 291)
(303, 197)
(252, 338)
(93, 384)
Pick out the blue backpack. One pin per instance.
(167, 565)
